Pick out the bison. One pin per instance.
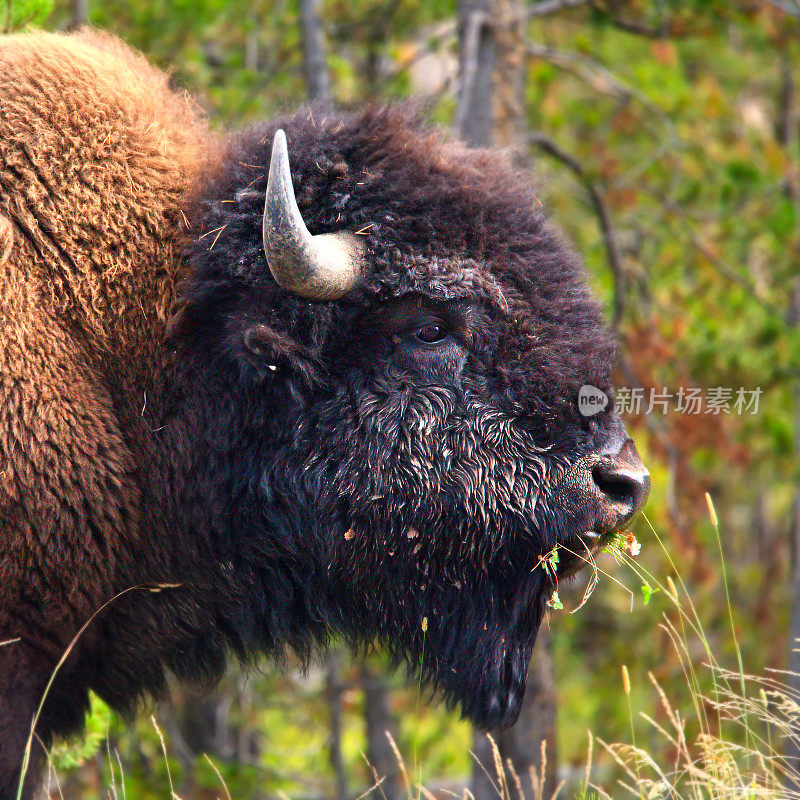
(319, 378)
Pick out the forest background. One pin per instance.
(665, 136)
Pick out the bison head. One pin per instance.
(387, 415)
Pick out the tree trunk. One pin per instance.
(485, 781)
(793, 678)
(314, 63)
(380, 721)
(200, 722)
(333, 692)
(79, 13)
(509, 74)
(491, 109)
(203, 721)
(526, 743)
(491, 97)
(474, 118)
(251, 51)
(786, 132)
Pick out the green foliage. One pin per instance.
(98, 724)
(647, 592)
(20, 14)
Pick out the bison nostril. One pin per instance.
(623, 482)
(621, 487)
(617, 487)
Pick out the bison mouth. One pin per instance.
(580, 551)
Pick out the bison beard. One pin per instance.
(388, 465)
(471, 641)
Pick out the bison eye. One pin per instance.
(431, 334)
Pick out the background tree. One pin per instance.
(80, 13)
(491, 110)
(316, 67)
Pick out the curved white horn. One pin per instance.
(322, 267)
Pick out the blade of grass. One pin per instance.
(26, 758)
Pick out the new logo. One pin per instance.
(591, 400)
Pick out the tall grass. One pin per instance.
(742, 723)
(26, 758)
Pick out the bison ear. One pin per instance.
(263, 342)
(269, 350)
(176, 320)
(322, 267)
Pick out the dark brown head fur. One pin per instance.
(360, 434)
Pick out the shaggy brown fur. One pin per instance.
(96, 156)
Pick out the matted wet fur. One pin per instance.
(291, 469)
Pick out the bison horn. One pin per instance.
(322, 267)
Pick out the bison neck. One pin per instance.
(223, 547)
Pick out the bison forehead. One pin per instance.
(398, 271)
(405, 189)
(436, 218)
